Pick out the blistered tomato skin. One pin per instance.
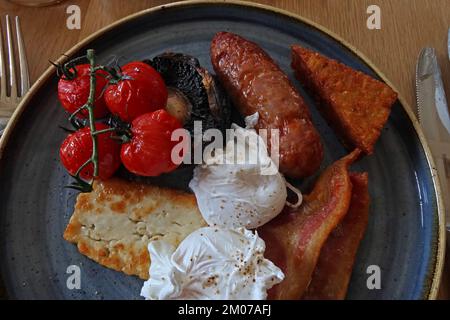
(73, 94)
(148, 153)
(142, 90)
(76, 149)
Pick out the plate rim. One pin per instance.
(50, 71)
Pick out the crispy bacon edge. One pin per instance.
(333, 271)
(294, 238)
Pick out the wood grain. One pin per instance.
(407, 26)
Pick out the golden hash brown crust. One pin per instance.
(354, 104)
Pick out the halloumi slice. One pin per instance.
(115, 222)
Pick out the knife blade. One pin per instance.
(430, 93)
(434, 116)
(448, 43)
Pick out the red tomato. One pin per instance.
(76, 149)
(144, 91)
(149, 151)
(73, 94)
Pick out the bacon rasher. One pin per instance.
(294, 238)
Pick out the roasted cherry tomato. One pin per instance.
(142, 90)
(76, 149)
(149, 151)
(73, 94)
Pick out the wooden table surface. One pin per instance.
(406, 27)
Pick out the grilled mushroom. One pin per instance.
(194, 94)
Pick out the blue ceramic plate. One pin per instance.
(405, 233)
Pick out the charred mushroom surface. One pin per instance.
(194, 94)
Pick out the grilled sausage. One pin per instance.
(256, 84)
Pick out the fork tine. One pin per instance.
(23, 64)
(2, 66)
(11, 59)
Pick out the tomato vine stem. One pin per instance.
(104, 131)
(90, 107)
(113, 74)
(76, 112)
(80, 184)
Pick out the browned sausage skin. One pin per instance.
(256, 84)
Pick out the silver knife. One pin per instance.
(448, 43)
(434, 117)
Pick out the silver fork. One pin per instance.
(10, 95)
